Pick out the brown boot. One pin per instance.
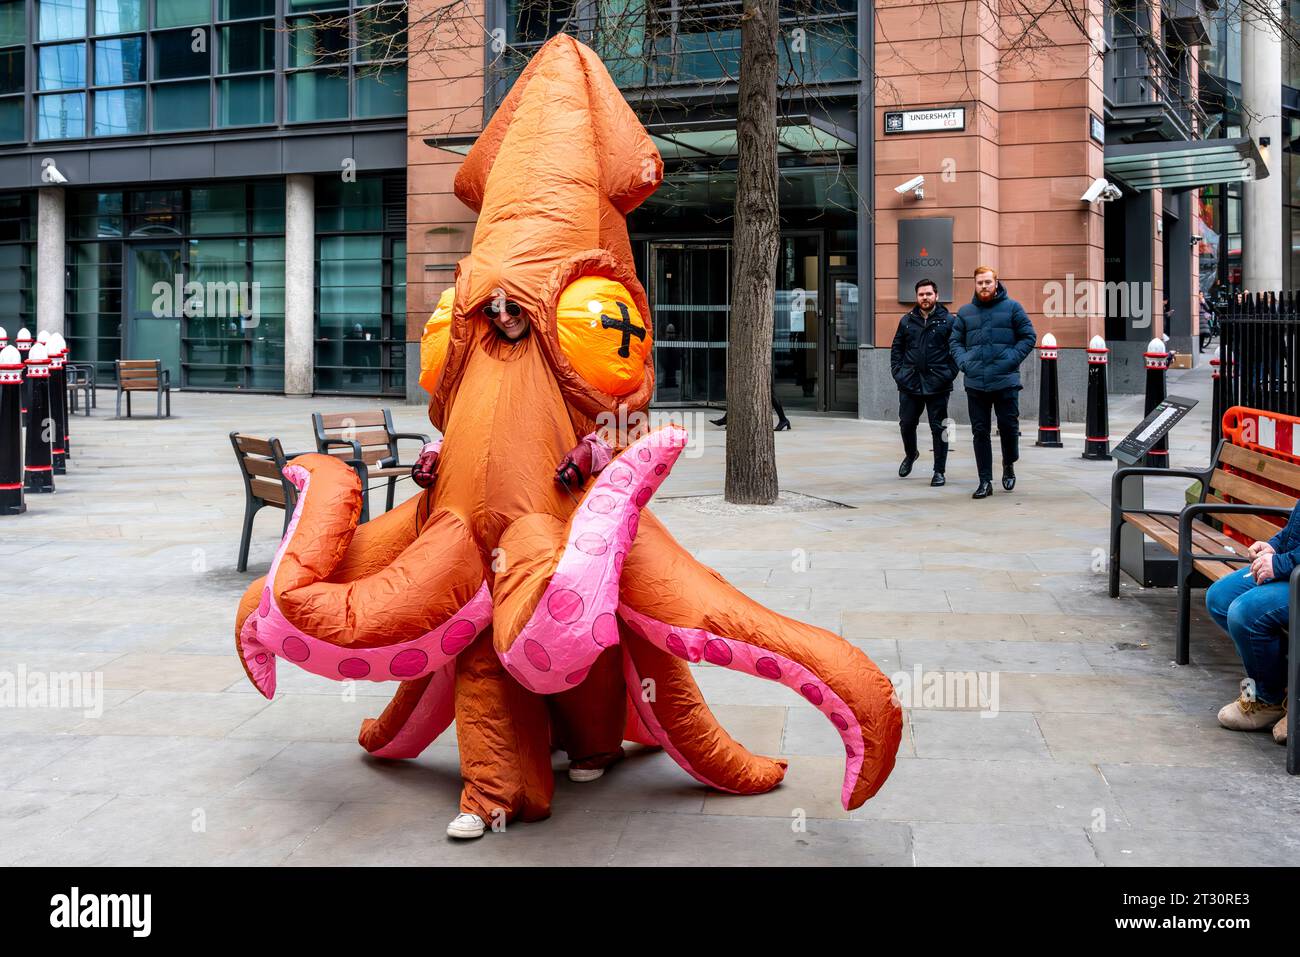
(1249, 715)
(1279, 729)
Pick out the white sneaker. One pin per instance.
(466, 827)
(583, 775)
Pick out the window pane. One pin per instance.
(11, 121)
(344, 206)
(119, 16)
(268, 211)
(175, 13)
(61, 67)
(246, 101)
(180, 106)
(381, 92)
(381, 33)
(300, 6)
(318, 95)
(174, 56)
(11, 70)
(313, 42)
(60, 116)
(245, 9)
(157, 212)
(119, 111)
(61, 19)
(13, 22)
(247, 47)
(119, 61)
(217, 209)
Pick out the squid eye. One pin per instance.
(603, 334)
(436, 339)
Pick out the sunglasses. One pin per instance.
(513, 310)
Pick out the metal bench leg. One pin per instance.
(246, 539)
(169, 403)
(392, 492)
(1182, 649)
(1116, 529)
(118, 413)
(128, 405)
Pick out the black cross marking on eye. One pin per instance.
(624, 326)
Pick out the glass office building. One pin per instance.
(180, 130)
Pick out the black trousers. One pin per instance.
(910, 405)
(982, 405)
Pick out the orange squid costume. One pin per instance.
(533, 616)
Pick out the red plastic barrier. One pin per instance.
(1269, 433)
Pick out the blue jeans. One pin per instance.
(1255, 617)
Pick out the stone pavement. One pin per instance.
(1101, 751)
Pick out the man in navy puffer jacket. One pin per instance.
(991, 336)
(1251, 606)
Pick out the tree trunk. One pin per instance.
(751, 452)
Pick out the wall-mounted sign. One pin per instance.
(1096, 128)
(925, 121)
(924, 252)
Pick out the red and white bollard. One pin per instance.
(24, 343)
(11, 432)
(1157, 360)
(38, 470)
(1049, 396)
(58, 353)
(1096, 442)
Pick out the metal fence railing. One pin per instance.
(1259, 354)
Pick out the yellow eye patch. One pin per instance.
(603, 334)
(434, 341)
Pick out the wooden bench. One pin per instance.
(371, 438)
(143, 375)
(262, 462)
(1205, 554)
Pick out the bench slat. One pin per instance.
(1255, 526)
(354, 420)
(1266, 467)
(1244, 490)
(272, 492)
(250, 443)
(369, 438)
(263, 467)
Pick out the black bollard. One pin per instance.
(24, 344)
(1157, 362)
(11, 432)
(1096, 443)
(38, 470)
(58, 353)
(1049, 396)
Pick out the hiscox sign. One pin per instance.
(925, 252)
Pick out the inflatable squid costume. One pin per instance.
(534, 616)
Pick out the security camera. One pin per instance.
(50, 173)
(915, 185)
(1101, 189)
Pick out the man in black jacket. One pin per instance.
(923, 367)
(991, 337)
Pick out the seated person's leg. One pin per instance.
(1224, 592)
(1257, 622)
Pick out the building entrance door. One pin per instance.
(689, 294)
(154, 333)
(798, 335)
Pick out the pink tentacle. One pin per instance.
(435, 710)
(574, 620)
(268, 634)
(696, 644)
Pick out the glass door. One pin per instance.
(842, 329)
(156, 284)
(797, 332)
(690, 290)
